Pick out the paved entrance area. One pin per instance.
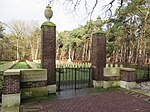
(116, 101)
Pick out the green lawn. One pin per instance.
(21, 65)
(67, 74)
(3, 62)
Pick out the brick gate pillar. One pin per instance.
(48, 49)
(98, 58)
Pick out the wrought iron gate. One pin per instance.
(73, 78)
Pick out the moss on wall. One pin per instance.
(34, 92)
(48, 24)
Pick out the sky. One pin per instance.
(28, 10)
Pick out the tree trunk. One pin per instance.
(83, 53)
(37, 50)
(17, 50)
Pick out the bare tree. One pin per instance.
(22, 33)
(89, 6)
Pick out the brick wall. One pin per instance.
(48, 52)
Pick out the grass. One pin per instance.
(38, 65)
(21, 65)
(67, 74)
(3, 62)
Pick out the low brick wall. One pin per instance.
(115, 73)
(128, 74)
(11, 88)
(22, 84)
(33, 83)
(117, 76)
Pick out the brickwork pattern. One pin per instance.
(11, 84)
(128, 76)
(111, 78)
(103, 102)
(48, 53)
(98, 56)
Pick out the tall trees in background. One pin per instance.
(77, 42)
(21, 41)
(127, 33)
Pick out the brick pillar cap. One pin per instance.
(98, 32)
(49, 24)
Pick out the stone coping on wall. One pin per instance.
(33, 75)
(48, 23)
(114, 73)
(115, 76)
(12, 72)
(128, 69)
(17, 71)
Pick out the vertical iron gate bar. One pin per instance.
(75, 78)
(89, 81)
(69, 78)
(59, 79)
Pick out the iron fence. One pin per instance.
(73, 78)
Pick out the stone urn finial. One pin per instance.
(98, 22)
(48, 12)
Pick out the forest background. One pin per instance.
(127, 33)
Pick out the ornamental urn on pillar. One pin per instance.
(48, 12)
(48, 49)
